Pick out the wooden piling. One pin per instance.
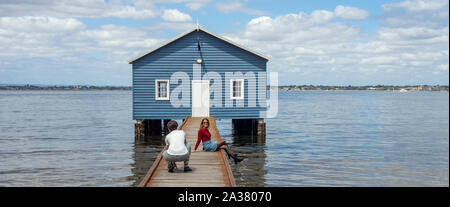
(261, 131)
(139, 130)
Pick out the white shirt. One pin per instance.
(175, 140)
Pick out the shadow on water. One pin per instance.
(250, 172)
(145, 152)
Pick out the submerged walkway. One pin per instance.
(209, 169)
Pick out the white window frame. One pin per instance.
(157, 90)
(232, 88)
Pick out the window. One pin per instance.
(162, 88)
(237, 89)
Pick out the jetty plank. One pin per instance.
(209, 169)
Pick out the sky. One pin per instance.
(345, 42)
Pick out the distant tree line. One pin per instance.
(286, 87)
(369, 87)
(68, 87)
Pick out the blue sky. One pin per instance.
(308, 42)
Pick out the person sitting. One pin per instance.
(179, 149)
(211, 146)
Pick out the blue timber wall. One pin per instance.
(179, 56)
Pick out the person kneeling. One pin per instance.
(179, 149)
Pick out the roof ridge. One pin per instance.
(198, 27)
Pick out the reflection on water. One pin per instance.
(334, 138)
(251, 171)
(144, 154)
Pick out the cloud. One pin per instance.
(237, 6)
(312, 47)
(197, 4)
(40, 24)
(175, 26)
(35, 48)
(173, 15)
(408, 14)
(306, 48)
(443, 67)
(417, 5)
(131, 12)
(351, 13)
(193, 5)
(75, 9)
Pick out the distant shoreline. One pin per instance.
(359, 88)
(66, 88)
(281, 88)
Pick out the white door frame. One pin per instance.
(200, 98)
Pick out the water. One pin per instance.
(320, 138)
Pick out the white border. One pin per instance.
(242, 89)
(156, 90)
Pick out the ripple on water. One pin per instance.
(356, 138)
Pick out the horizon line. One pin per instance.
(348, 85)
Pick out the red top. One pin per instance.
(204, 135)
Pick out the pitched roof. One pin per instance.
(192, 30)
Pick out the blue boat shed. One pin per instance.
(199, 73)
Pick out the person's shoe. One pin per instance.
(187, 169)
(171, 167)
(231, 155)
(236, 159)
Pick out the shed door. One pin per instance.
(200, 98)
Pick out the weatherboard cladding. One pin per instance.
(179, 56)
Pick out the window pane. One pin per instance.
(237, 87)
(162, 89)
(240, 88)
(234, 89)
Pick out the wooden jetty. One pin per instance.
(209, 169)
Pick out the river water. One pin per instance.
(319, 138)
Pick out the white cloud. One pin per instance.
(173, 15)
(197, 4)
(418, 34)
(443, 67)
(132, 12)
(258, 20)
(318, 47)
(75, 9)
(417, 5)
(230, 6)
(410, 43)
(320, 16)
(175, 26)
(41, 24)
(237, 6)
(351, 13)
(36, 47)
